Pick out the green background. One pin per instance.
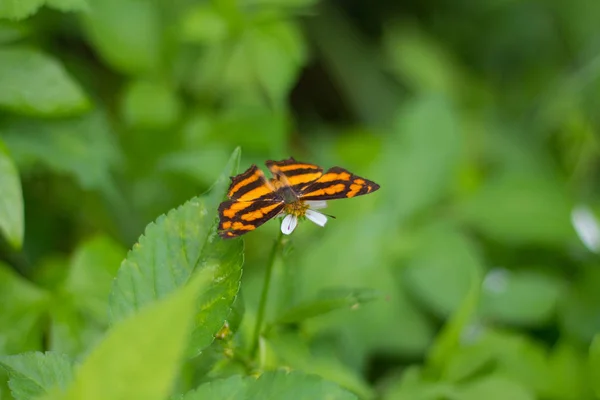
(473, 273)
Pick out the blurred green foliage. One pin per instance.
(473, 273)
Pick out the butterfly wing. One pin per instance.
(251, 185)
(337, 183)
(294, 174)
(239, 217)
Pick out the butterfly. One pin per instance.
(294, 188)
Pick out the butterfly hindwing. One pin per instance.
(337, 183)
(239, 217)
(295, 174)
(250, 185)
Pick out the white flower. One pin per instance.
(307, 209)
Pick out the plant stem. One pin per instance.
(264, 295)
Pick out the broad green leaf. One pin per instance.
(412, 385)
(79, 315)
(420, 62)
(526, 298)
(12, 31)
(92, 270)
(442, 269)
(506, 204)
(513, 356)
(19, 9)
(270, 386)
(11, 201)
(22, 306)
(291, 350)
(204, 24)
(578, 312)
(494, 388)
(140, 355)
(265, 59)
(421, 160)
(34, 374)
(570, 378)
(150, 105)
(83, 147)
(127, 34)
(171, 249)
(34, 83)
(326, 302)
(449, 340)
(595, 364)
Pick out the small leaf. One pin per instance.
(270, 385)
(526, 298)
(329, 300)
(505, 206)
(578, 312)
(83, 147)
(448, 341)
(569, 373)
(22, 306)
(150, 105)
(494, 388)
(34, 374)
(428, 144)
(11, 201)
(20, 9)
(140, 356)
(441, 271)
(126, 33)
(34, 83)
(171, 249)
(595, 364)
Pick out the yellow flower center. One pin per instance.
(297, 208)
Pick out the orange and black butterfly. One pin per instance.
(296, 189)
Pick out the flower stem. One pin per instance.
(260, 316)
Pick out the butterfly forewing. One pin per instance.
(251, 185)
(295, 174)
(337, 183)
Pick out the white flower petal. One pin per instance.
(289, 224)
(316, 217)
(316, 204)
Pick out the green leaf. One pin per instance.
(79, 314)
(34, 374)
(140, 355)
(494, 388)
(19, 9)
(12, 31)
(11, 201)
(266, 59)
(204, 24)
(526, 298)
(92, 270)
(578, 312)
(447, 344)
(35, 84)
(513, 356)
(441, 271)
(22, 306)
(292, 351)
(270, 386)
(505, 206)
(171, 249)
(595, 364)
(427, 144)
(569, 373)
(83, 147)
(127, 34)
(150, 105)
(326, 302)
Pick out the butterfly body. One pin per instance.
(253, 199)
